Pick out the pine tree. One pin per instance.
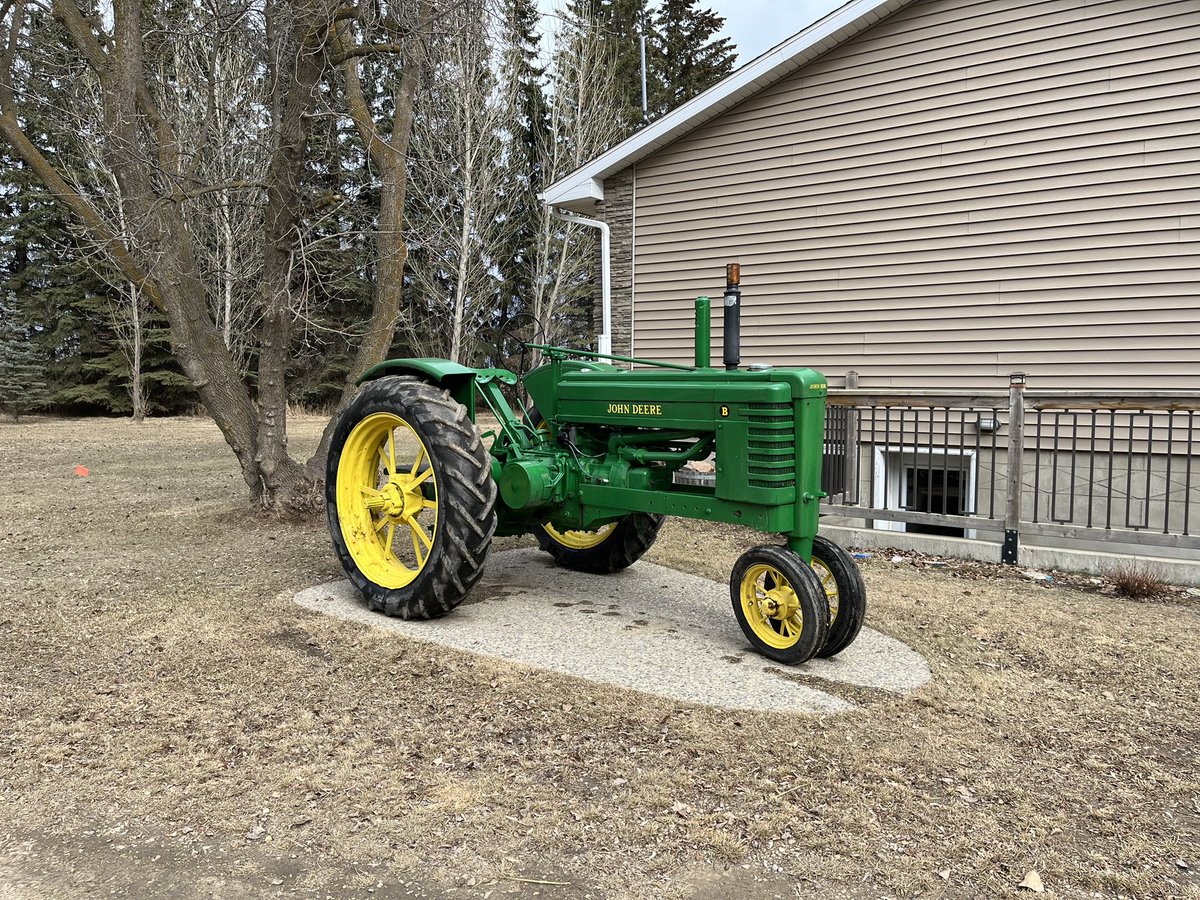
(523, 86)
(22, 369)
(616, 27)
(685, 54)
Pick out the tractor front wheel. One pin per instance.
(608, 549)
(410, 498)
(845, 592)
(780, 604)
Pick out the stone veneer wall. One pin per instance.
(617, 210)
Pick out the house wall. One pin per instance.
(970, 188)
(617, 209)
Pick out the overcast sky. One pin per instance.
(756, 25)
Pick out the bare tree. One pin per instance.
(219, 87)
(584, 121)
(458, 219)
(159, 142)
(398, 31)
(95, 181)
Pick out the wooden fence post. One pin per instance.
(1010, 551)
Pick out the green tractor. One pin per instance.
(415, 492)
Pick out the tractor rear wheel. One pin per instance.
(780, 604)
(410, 498)
(845, 592)
(609, 549)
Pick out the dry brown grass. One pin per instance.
(173, 725)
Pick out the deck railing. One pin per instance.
(1070, 469)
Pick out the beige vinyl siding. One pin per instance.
(964, 190)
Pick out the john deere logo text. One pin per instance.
(635, 409)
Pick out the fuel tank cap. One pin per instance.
(759, 367)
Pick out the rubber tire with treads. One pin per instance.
(467, 501)
(814, 608)
(852, 596)
(629, 539)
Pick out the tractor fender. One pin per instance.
(458, 379)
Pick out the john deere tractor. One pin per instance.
(415, 492)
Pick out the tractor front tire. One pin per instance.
(409, 497)
(612, 548)
(844, 590)
(779, 604)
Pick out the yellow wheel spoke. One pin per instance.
(420, 532)
(771, 606)
(379, 491)
(412, 532)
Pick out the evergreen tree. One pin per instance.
(22, 369)
(523, 85)
(685, 54)
(343, 203)
(616, 27)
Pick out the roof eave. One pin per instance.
(583, 188)
(579, 195)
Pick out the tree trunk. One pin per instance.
(136, 394)
(390, 158)
(227, 270)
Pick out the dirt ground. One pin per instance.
(172, 725)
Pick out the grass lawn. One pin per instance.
(172, 725)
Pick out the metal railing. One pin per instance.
(1070, 469)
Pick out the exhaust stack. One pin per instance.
(732, 342)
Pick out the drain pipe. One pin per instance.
(604, 339)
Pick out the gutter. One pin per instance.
(604, 339)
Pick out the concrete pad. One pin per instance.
(648, 628)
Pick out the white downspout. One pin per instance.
(604, 339)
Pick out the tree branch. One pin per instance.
(11, 131)
(104, 236)
(356, 105)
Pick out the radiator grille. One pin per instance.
(771, 445)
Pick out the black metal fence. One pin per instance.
(1069, 469)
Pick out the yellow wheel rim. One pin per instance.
(829, 583)
(575, 540)
(579, 540)
(771, 607)
(387, 500)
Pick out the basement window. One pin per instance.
(938, 482)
